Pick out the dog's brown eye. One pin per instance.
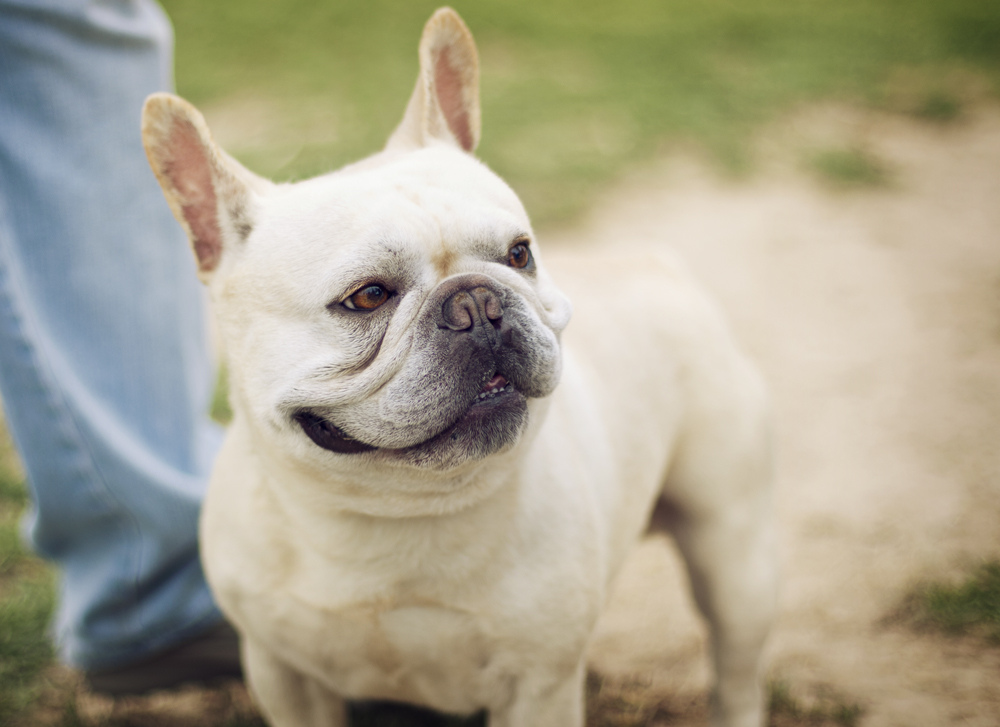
(519, 255)
(369, 297)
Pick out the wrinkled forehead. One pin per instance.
(410, 219)
(434, 200)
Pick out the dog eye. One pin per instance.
(369, 297)
(519, 256)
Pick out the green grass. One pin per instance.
(939, 106)
(968, 607)
(850, 168)
(829, 709)
(26, 597)
(220, 409)
(24, 648)
(573, 91)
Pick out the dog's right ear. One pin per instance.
(210, 193)
(445, 104)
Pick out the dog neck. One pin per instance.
(320, 485)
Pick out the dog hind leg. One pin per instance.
(735, 594)
(718, 497)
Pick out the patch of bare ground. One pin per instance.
(65, 702)
(874, 312)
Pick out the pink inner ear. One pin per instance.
(189, 171)
(448, 85)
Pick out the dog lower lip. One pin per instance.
(326, 435)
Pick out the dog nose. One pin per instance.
(466, 309)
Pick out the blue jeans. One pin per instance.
(105, 368)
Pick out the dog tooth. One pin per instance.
(494, 391)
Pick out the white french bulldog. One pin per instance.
(427, 488)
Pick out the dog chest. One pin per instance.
(451, 625)
(456, 658)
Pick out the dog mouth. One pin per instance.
(492, 389)
(493, 395)
(327, 435)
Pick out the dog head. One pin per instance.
(393, 313)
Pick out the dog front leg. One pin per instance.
(286, 697)
(544, 699)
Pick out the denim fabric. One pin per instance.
(105, 368)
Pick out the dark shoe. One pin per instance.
(212, 656)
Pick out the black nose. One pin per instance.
(468, 308)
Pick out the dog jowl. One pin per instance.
(476, 354)
(431, 479)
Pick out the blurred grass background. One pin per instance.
(574, 94)
(573, 91)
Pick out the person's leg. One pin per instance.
(105, 370)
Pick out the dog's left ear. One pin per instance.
(210, 193)
(445, 104)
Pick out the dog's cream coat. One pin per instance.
(382, 524)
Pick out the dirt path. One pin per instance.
(875, 315)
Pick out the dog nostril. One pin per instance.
(491, 304)
(464, 309)
(459, 311)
